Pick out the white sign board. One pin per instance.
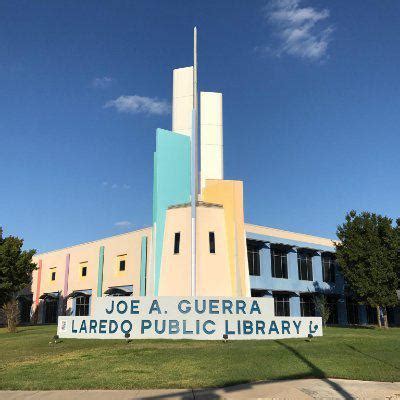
(203, 318)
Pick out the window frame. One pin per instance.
(328, 268)
(53, 275)
(281, 305)
(307, 305)
(308, 266)
(282, 255)
(253, 249)
(84, 306)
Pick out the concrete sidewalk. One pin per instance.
(290, 389)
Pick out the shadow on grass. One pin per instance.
(373, 357)
(315, 371)
(211, 394)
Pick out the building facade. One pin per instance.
(198, 243)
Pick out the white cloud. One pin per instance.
(102, 83)
(114, 186)
(139, 104)
(104, 183)
(301, 31)
(126, 186)
(123, 224)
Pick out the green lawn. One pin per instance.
(28, 361)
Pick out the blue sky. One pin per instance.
(311, 109)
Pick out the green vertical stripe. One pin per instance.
(100, 272)
(143, 267)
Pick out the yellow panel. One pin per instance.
(230, 195)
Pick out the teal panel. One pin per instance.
(171, 185)
(143, 263)
(100, 272)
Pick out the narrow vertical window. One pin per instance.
(281, 305)
(53, 276)
(211, 239)
(253, 256)
(177, 241)
(84, 271)
(122, 265)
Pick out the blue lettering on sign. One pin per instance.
(213, 304)
(273, 328)
(184, 310)
(240, 307)
(197, 307)
(297, 326)
(103, 326)
(247, 327)
(122, 307)
(227, 307)
(173, 327)
(83, 327)
(134, 306)
(255, 307)
(125, 323)
(113, 327)
(186, 331)
(155, 307)
(73, 327)
(146, 324)
(285, 327)
(93, 326)
(111, 310)
(260, 327)
(208, 332)
(227, 331)
(158, 329)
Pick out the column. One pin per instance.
(100, 272)
(143, 264)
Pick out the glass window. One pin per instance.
(332, 303)
(281, 305)
(307, 305)
(82, 305)
(372, 317)
(328, 268)
(211, 239)
(53, 275)
(84, 271)
(352, 311)
(253, 256)
(177, 241)
(279, 263)
(304, 263)
(122, 264)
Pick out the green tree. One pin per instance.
(16, 269)
(322, 306)
(368, 256)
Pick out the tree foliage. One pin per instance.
(368, 255)
(16, 267)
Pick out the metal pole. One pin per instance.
(194, 170)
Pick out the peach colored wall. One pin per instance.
(230, 195)
(129, 244)
(212, 272)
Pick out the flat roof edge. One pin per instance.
(90, 242)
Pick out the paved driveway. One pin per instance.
(290, 389)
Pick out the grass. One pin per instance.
(28, 361)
